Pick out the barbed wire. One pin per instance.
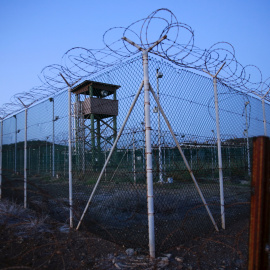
(178, 48)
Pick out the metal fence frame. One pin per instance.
(148, 150)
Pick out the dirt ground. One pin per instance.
(31, 241)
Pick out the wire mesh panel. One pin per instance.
(118, 208)
(187, 99)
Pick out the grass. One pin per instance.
(15, 215)
(11, 209)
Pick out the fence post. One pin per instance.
(25, 160)
(148, 146)
(220, 169)
(263, 108)
(248, 152)
(15, 145)
(134, 157)
(260, 205)
(70, 159)
(70, 152)
(25, 153)
(53, 142)
(264, 120)
(148, 150)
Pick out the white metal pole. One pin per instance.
(1, 152)
(185, 160)
(264, 119)
(29, 159)
(191, 161)
(69, 150)
(143, 147)
(53, 146)
(219, 156)
(248, 153)
(110, 154)
(134, 159)
(46, 159)
(263, 106)
(144, 156)
(25, 159)
(222, 209)
(164, 153)
(148, 147)
(159, 139)
(83, 142)
(15, 145)
(212, 150)
(105, 150)
(70, 159)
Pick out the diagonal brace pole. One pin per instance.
(184, 158)
(110, 154)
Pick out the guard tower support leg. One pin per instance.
(91, 94)
(98, 142)
(114, 121)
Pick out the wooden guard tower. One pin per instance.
(95, 111)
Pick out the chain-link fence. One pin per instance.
(118, 208)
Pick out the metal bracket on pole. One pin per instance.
(140, 48)
(110, 154)
(219, 146)
(263, 108)
(69, 152)
(184, 158)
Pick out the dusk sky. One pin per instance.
(35, 34)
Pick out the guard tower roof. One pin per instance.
(83, 88)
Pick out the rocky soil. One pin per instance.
(31, 241)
